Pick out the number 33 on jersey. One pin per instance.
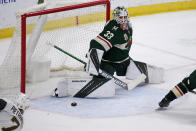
(114, 40)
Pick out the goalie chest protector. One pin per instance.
(115, 41)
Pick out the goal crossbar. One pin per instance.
(48, 11)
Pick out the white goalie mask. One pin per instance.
(120, 15)
(22, 101)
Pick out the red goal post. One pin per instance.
(44, 12)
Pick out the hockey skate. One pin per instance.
(164, 103)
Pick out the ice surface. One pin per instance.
(167, 40)
(140, 100)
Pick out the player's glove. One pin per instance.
(94, 57)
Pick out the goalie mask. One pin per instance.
(120, 15)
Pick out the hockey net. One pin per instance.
(31, 62)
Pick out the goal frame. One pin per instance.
(49, 11)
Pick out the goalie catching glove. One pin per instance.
(94, 57)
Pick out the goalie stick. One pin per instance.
(103, 73)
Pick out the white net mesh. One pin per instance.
(71, 30)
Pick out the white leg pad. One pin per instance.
(61, 90)
(132, 71)
(106, 90)
(155, 74)
(70, 86)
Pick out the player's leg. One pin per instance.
(94, 57)
(108, 67)
(71, 86)
(121, 68)
(62, 89)
(98, 81)
(91, 86)
(153, 74)
(187, 84)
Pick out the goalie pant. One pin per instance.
(188, 84)
(11, 117)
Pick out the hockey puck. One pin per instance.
(73, 104)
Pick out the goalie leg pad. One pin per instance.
(90, 87)
(61, 90)
(96, 84)
(133, 71)
(154, 74)
(70, 86)
(94, 60)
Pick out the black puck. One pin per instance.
(73, 104)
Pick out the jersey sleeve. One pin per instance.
(105, 38)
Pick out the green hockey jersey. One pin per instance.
(114, 41)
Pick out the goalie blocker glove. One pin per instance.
(94, 57)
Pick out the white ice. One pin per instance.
(167, 40)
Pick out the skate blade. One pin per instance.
(161, 109)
